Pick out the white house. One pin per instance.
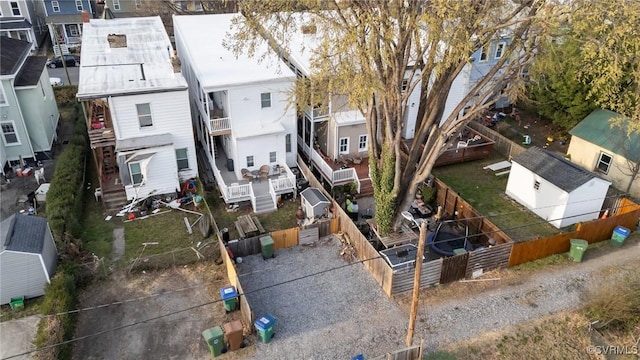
(28, 110)
(241, 112)
(28, 257)
(137, 107)
(554, 188)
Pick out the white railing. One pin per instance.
(272, 192)
(253, 197)
(232, 193)
(222, 124)
(342, 175)
(324, 168)
(317, 113)
(282, 184)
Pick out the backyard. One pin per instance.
(486, 193)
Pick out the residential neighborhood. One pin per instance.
(356, 180)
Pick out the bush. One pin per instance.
(65, 203)
(60, 297)
(617, 305)
(66, 95)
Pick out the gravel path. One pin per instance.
(341, 313)
(541, 294)
(334, 315)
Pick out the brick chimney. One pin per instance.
(85, 16)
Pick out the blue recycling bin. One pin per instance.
(229, 297)
(620, 233)
(265, 326)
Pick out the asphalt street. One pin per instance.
(72, 79)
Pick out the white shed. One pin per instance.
(314, 203)
(555, 189)
(28, 257)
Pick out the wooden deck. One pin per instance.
(404, 236)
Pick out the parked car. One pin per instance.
(56, 81)
(71, 60)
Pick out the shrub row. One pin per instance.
(64, 204)
(60, 297)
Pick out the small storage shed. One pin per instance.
(314, 202)
(28, 257)
(554, 188)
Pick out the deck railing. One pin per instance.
(220, 125)
(336, 177)
(234, 192)
(317, 113)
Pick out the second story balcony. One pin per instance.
(219, 121)
(317, 113)
(99, 124)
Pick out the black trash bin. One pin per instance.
(225, 235)
(230, 164)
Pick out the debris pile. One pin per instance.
(347, 251)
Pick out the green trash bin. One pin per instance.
(578, 247)
(229, 296)
(264, 326)
(620, 233)
(266, 242)
(215, 340)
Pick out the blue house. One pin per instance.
(483, 60)
(23, 20)
(64, 19)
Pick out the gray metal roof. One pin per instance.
(314, 196)
(144, 142)
(554, 168)
(24, 233)
(14, 23)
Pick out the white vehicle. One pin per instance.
(56, 81)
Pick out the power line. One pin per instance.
(188, 308)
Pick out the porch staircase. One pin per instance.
(114, 199)
(264, 204)
(366, 188)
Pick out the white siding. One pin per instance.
(259, 147)
(585, 202)
(457, 92)
(171, 114)
(21, 274)
(548, 202)
(413, 104)
(161, 174)
(49, 253)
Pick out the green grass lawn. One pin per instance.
(485, 192)
(168, 229)
(283, 218)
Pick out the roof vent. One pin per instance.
(117, 40)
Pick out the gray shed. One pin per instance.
(28, 257)
(314, 202)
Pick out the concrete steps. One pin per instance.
(114, 201)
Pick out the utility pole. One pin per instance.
(64, 63)
(416, 283)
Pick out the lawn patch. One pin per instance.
(486, 193)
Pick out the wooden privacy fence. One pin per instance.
(452, 202)
(503, 145)
(593, 231)
(410, 353)
(245, 310)
(487, 259)
(402, 281)
(376, 265)
(454, 268)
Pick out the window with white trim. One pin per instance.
(483, 54)
(3, 98)
(250, 162)
(536, 185)
(265, 100)
(500, 50)
(362, 143)
(144, 115)
(135, 170)
(79, 5)
(604, 162)
(405, 85)
(116, 4)
(15, 8)
(9, 133)
(73, 30)
(55, 6)
(272, 157)
(182, 158)
(287, 143)
(343, 147)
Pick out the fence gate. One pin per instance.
(454, 268)
(308, 236)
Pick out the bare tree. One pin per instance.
(369, 47)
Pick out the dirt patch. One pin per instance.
(177, 297)
(543, 133)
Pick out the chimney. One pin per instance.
(85, 16)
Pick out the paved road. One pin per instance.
(74, 73)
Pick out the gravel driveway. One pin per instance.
(335, 315)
